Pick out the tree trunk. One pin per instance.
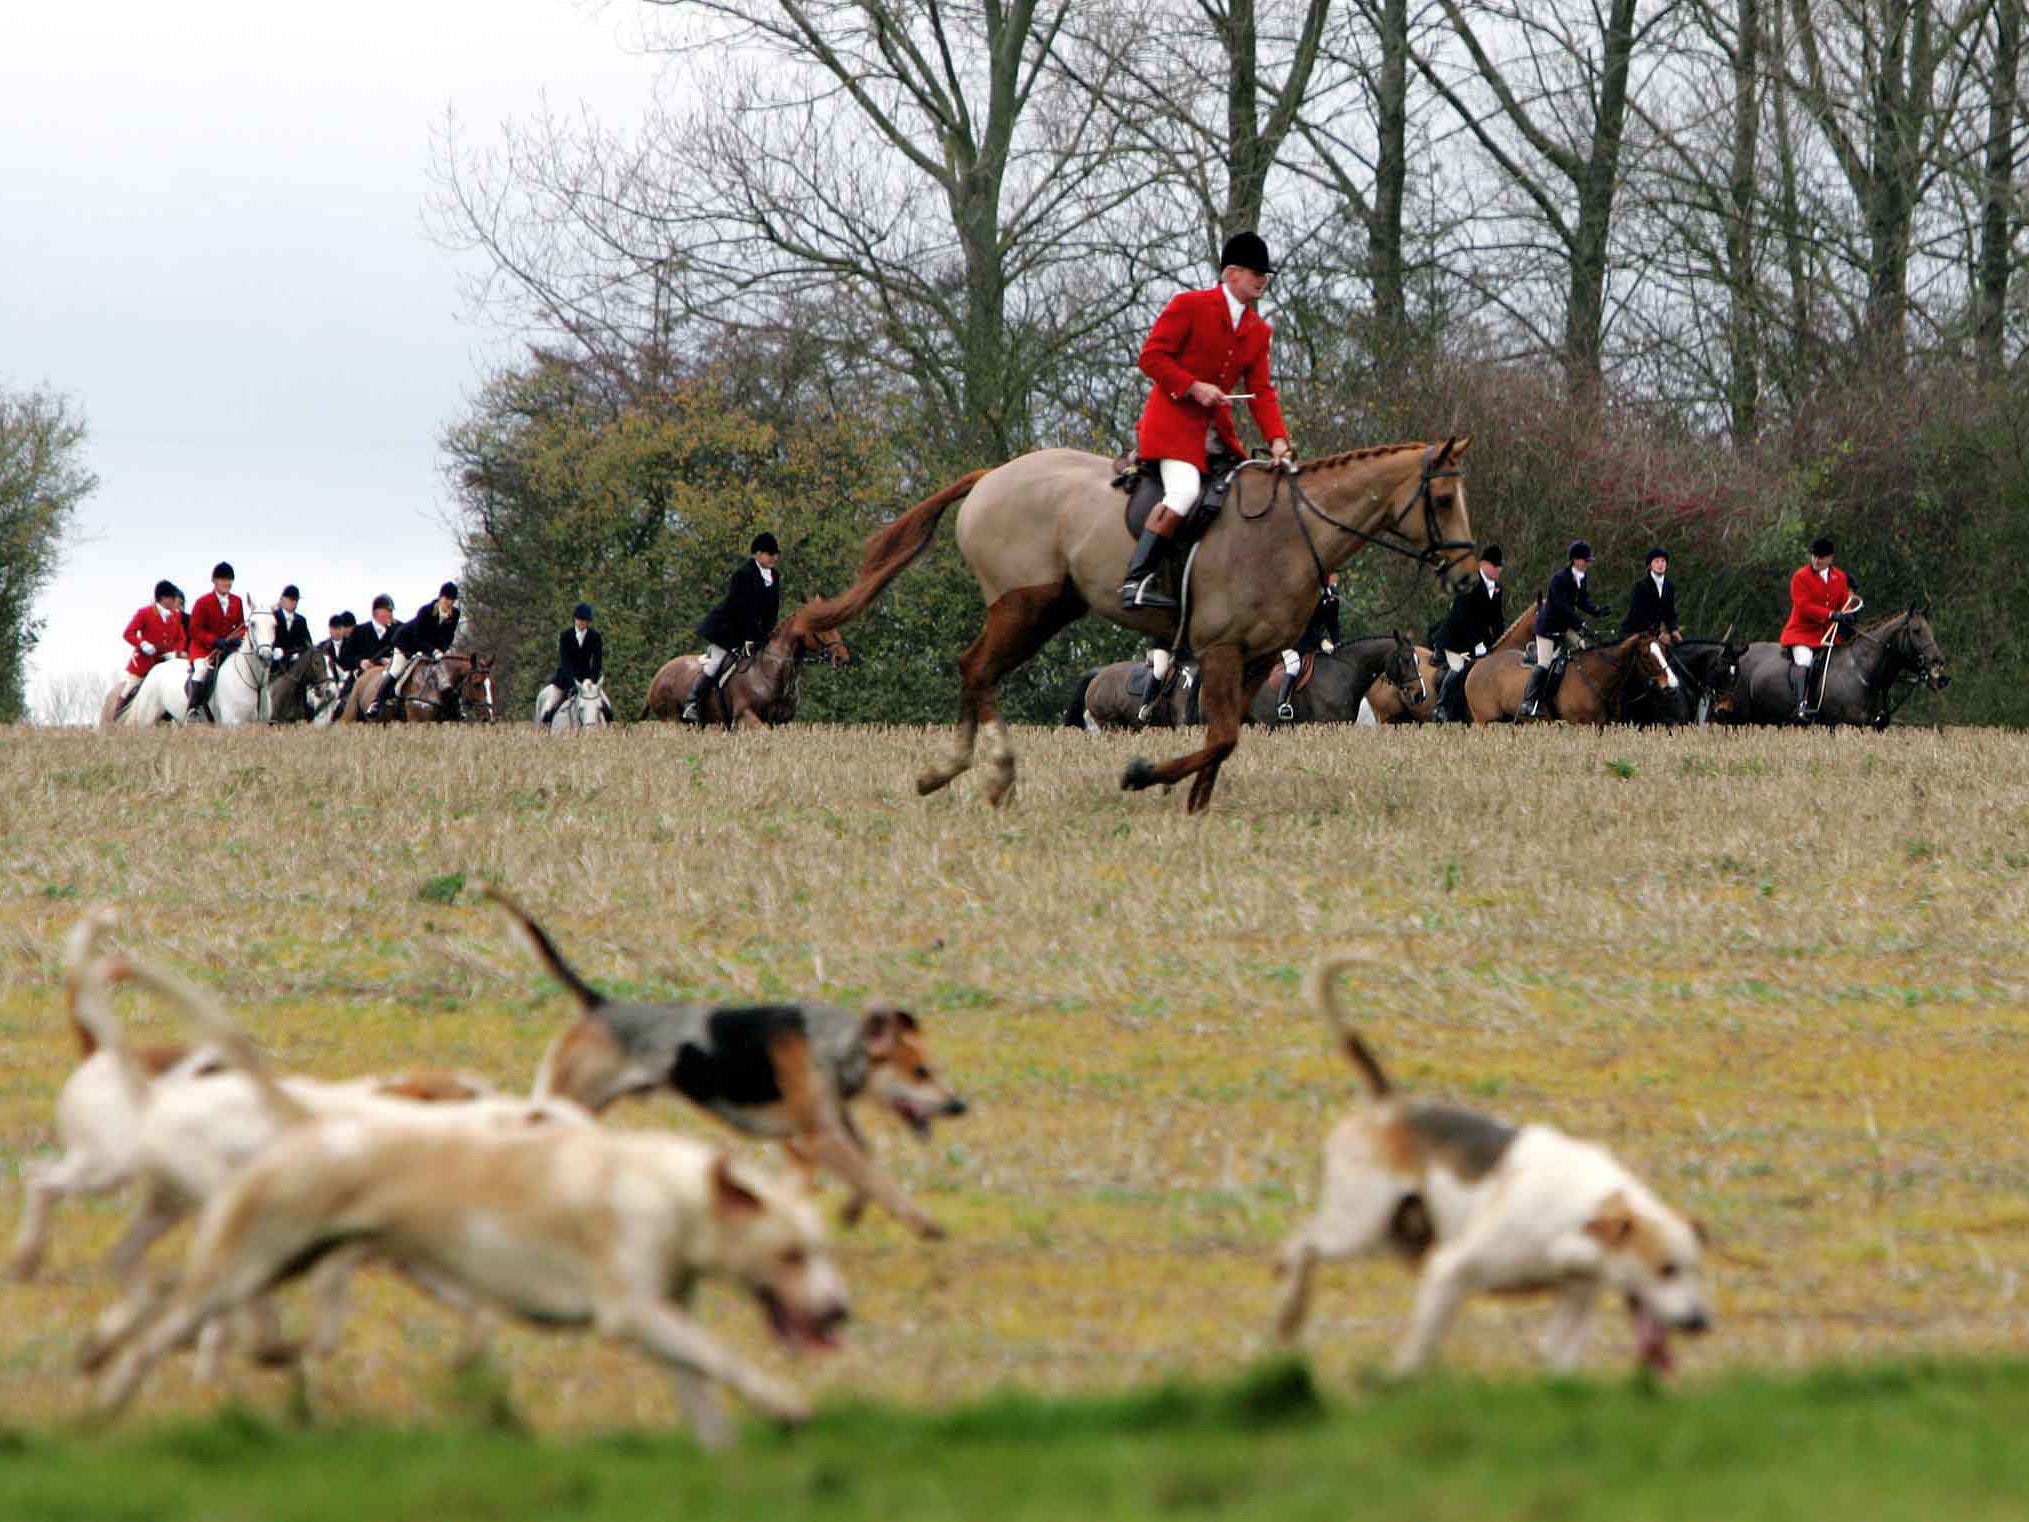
(1385, 262)
(1743, 358)
(1997, 222)
(1585, 308)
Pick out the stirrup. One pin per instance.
(1286, 712)
(1141, 593)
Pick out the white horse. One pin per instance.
(587, 710)
(241, 696)
(163, 694)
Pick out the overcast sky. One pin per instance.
(215, 243)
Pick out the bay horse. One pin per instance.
(1860, 676)
(1046, 538)
(1390, 705)
(1588, 692)
(1339, 682)
(458, 688)
(762, 689)
(1105, 698)
(304, 690)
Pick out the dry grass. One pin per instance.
(1811, 1034)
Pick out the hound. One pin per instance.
(787, 1071)
(1484, 1206)
(565, 1225)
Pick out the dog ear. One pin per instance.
(730, 1197)
(1614, 1223)
(878, 1030)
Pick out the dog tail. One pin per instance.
(1323, 993)
(81, 948)
(544, 950)
(282, 1106)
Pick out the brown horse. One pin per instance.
(1589, 691)
(762, 689)
(1390, 705)
(1046, 538)
(457, 688)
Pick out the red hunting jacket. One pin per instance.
(154, 627)
(209, 623)
(1812, 602)
(1195, 340)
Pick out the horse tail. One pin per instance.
(1074, 715)
(890, 550)
(284, 1108)
(544, 950)
(1323, 980)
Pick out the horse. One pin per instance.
(240, 694)
(1859, 677)
(762, 688)
(164, 693)
(1710, 670)
(1046, 538)
(1589, 690)
(585, 709)
(1389, 704)
(1339, 682)
(305, 689)
(458, 688)
(1119, 697)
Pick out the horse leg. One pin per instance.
(1225, 688)
(1017, 626)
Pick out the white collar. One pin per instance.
(1235, 307)
(1825, 575)
(165, 612)
(581, 633)
(1578, 575)
(224, 600)
(767, 576)
(1493, 587)
(1658, 580)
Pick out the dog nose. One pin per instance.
(1697, 1323)
(954, 1106)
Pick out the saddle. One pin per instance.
(1306, 669)
(1140, 680)
(1142, 481)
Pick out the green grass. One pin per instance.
(1914, 1441)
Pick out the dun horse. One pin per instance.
(1390, 705)
(1590, 689)
(760, 691)
(1046, 538)
(458, 688)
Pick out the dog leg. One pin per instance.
(1564, 1338)
(667, 1334)
(1438, 1298)
(159, 1213)
(46, 1183)
(698, 1396)
(1353, 1220)
(475, 1326)
(838, 1155)
(330, 1281)
(119, 1322)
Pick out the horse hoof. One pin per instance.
(1140, 773)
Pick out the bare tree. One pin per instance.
(1999, 220)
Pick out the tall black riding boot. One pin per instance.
(1800, 689)
(1532, 695)
(1442, 710)
(1138, 589)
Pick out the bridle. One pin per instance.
(1909, 670)
(1390, 536)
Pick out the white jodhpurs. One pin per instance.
(1179, 486)
(396, 665)
(1454, 660)
(1292, 663)
(1804, 656)
(1546, 651)
(715, 661)
(1158, 664)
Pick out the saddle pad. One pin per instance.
(1143, 493)
(1138, 680)
(1305, 670)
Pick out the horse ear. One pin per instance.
(1726, 638)
(1454, 446)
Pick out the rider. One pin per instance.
(333, 645)
(292, 629)
(581, 657)
(1653, 602)
(370, 644)
(1321, 633)
(1205, 344)
(1475, 621)
(1818, 593)
(1557, 619)
(215, 623)
(746, 615)
(157, 634)
(431, 630)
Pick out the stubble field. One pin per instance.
(1782, 975)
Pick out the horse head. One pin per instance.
(1722, 677)
(1660, 674)
(1403, 669)
(1922, 649)
(472, 688)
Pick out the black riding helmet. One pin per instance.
(1492, 555)
(1579, 550)
(167, 588)
(582, 610)
(1248, 252)
(764, 544)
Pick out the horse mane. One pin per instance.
(1893, 618)
(1354, 456)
